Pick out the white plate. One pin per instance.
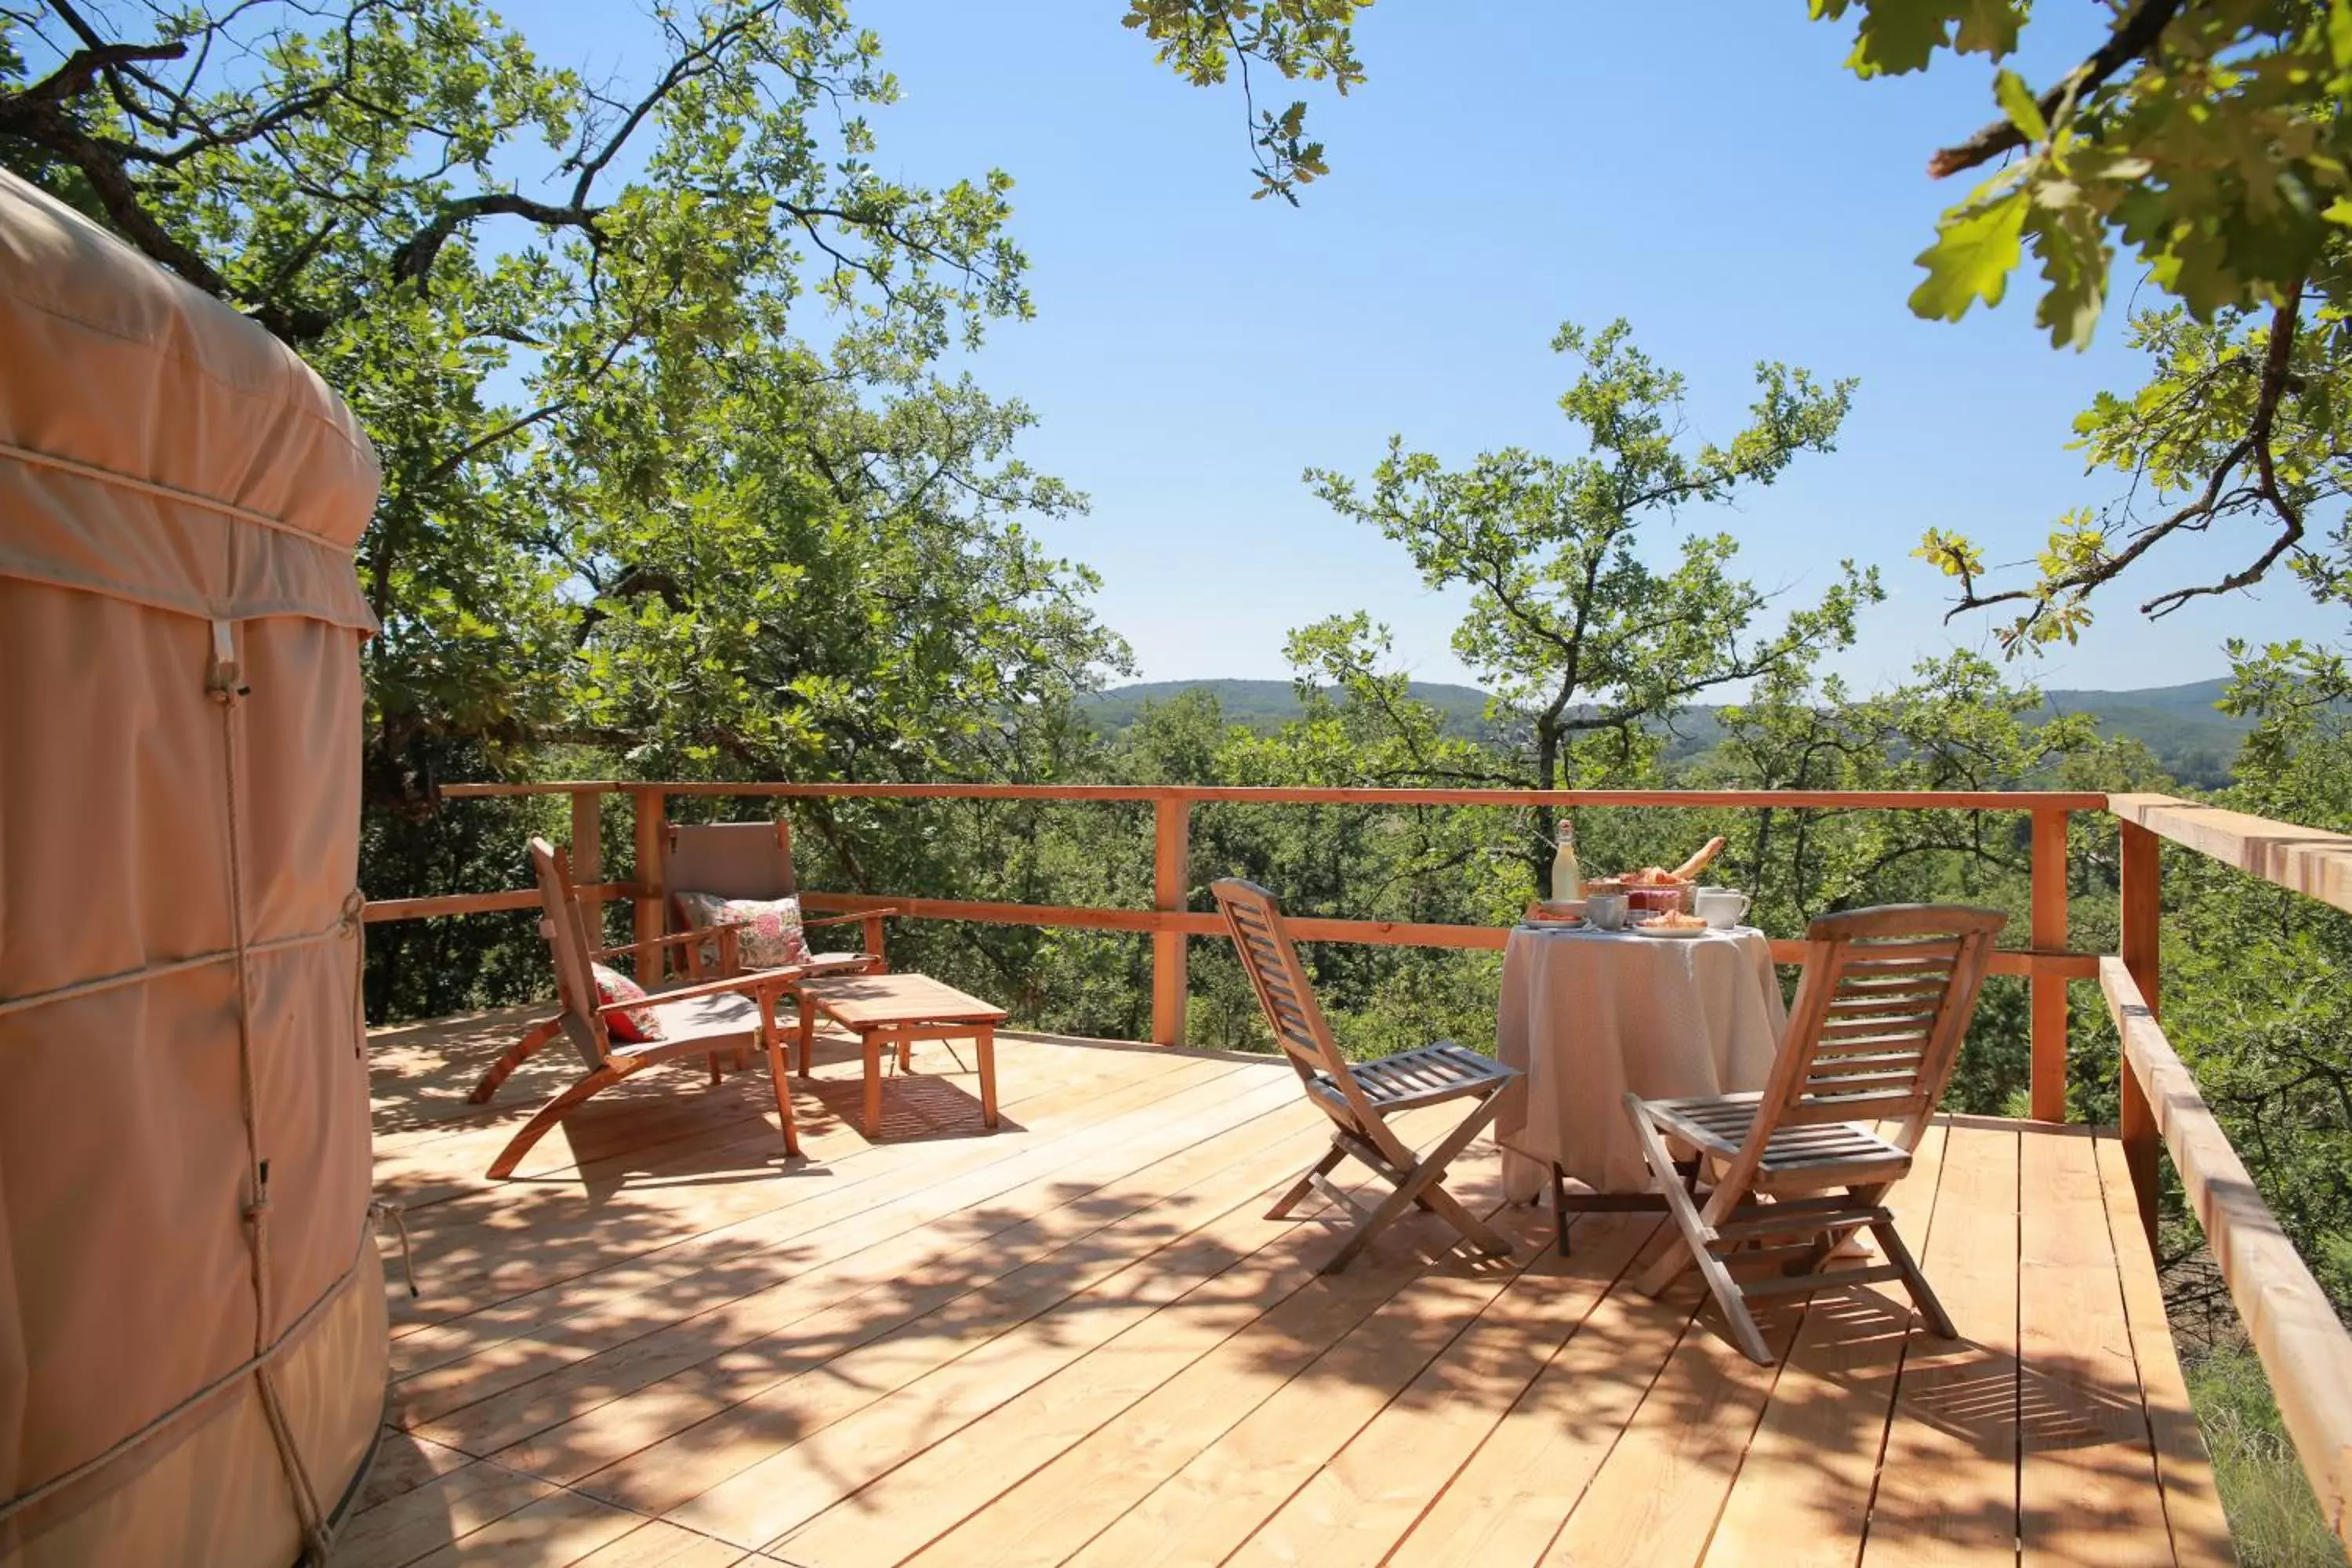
(1671, 934)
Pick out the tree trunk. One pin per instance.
(1546, 817)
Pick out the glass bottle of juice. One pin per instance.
(1567, 878)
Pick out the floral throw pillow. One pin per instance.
(636, 1025)
(769, 935)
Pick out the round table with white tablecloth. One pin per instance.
(1587, 1015)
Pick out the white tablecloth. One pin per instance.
(1589, 1015)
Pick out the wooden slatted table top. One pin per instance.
(867, 1001)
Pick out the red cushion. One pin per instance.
(636, 1025)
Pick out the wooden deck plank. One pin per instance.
(2088, 1488)
(825, 1229)
(905, 1510)
(698, 1189)
(843, 1303)
(659, 1446)
(1656, 1495)
(558, 1531)
(660, 1115)
(1804, 1491)
(878, 1429)
(1213, 1504)
(661, 1122)
(2192, 1507)
(485, 1310)
(1081, 1339)
(1947, 1488)
(425, 1518)
(1360, 1505)
(780, 1398)
(1507, 1502)
(1055, 1510)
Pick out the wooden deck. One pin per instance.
(1078, 1340)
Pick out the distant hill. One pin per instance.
(1267, 705)
(2196, 742)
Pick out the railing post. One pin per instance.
(2142, 913)
(647, 875)
(2049, 990)
(588, 856)
(1171, 877)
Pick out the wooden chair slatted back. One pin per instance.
(1271, 961)
(566, 930)
(1877, 1026)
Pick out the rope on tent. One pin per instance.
(81, 988)
(109, 477)
(226, 682)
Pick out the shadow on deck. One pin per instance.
(1076, 1340)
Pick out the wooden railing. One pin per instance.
(2288, 1317)
(2046, 962)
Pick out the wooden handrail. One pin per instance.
(2307, 860)
(2046, 962)
(385, 911)
(2289, 1319)
(1252, 795)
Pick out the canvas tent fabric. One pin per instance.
(192, 1323)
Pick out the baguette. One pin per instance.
(1698, 862)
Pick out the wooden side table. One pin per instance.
(896, 1010)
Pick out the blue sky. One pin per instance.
(1706, 170)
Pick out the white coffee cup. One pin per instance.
(1720, 908)
(1605, 912)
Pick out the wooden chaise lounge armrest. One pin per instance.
(701, 934)
(750, 981)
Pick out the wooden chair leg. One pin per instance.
(1922, 1295)
(988, 1075)
(777, 1076)
(715, 1074)
(808, 1032)
(1695, 1235)
(1425, 1180)
(1369, 1225)
(1305, 1184)
(515, 1056)
(547, 1116)
(872, 1040)
(1560, 1207)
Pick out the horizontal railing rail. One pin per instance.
(2045, 962)
(2288, 1318)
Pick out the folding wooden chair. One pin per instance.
(702, 1020)
(1358, 1097)
(1886, 999)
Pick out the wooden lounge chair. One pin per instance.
(1887, 997)
(734, 860)
(1358, 1097)
(700, 1020)
(754, 860)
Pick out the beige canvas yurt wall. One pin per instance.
(191, 1330)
